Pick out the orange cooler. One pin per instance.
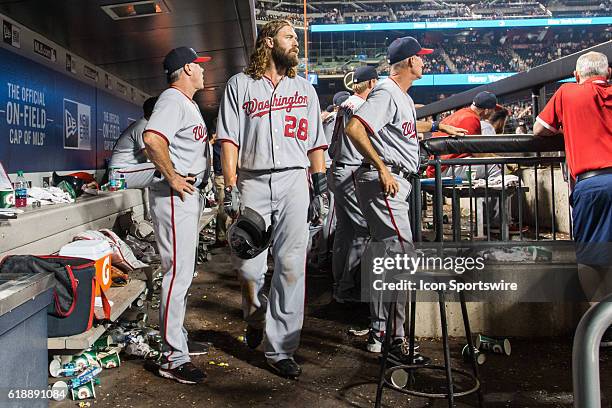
(97, 250)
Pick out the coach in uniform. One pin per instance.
(351, 228)
(384, 130)
(176, 140)
(270, 124)
(582, 112)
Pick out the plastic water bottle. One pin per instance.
(21, 190)
(112, 180)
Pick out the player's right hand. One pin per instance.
(182, 185)
(231, 201)
(387, 182)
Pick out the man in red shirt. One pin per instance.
(483, 105)
(583, 113)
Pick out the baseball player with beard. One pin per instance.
(384, 130)
(351, 228)
(176, 140)
(270, 126)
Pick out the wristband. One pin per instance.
(319, 183)
(435, 125)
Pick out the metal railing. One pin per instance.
(585, 354)
(455, 188)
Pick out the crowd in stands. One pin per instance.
(478, 57)
(479, 51)
(427, 10)
(500, 10)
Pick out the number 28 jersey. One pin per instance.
(273, 128)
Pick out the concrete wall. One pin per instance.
(502, 319)
(545, 198)
(548, 302)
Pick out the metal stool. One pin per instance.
(384, 372)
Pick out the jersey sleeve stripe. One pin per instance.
(159, 134)
(228, 141)
(366, 124)
(546, 125)
(322, 147)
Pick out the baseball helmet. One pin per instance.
(76, 181)
(247, 236)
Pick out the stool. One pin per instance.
(384, 372)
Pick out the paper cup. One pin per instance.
(7, 198)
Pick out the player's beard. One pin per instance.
(284, 59)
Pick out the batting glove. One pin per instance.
(231, 201)
(319, 205)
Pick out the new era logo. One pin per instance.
(77, 125)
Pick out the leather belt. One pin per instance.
(398, 171)
(343, 165)
(199, 183)
(592, 173)
(269, 171)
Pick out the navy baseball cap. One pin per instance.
(405, 47)
(485, 100)
(340, 97)
(330, 108)
(364, 74)
(180, 56)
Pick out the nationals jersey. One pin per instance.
(177, 119)
(328, 128)
(389, 116)
(273, 128)
(343, 149)
(129, 149)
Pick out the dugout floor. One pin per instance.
(338, 372)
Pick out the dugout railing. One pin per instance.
(488, 217)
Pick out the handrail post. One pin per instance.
(438, 201)
(585, 354)
(535, 103)
(417, 204)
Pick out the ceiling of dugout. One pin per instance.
(133, 49)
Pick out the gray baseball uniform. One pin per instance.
(274, 129)
(137, 175)
(324, 231)
(129, 147)
(328, 128)
(351, 227)
(177, 119)
(390, 118)
(128, 157)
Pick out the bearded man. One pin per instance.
(270, 127)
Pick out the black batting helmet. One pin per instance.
(247, 236)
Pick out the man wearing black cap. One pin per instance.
(176, 140)
(384, 130)
(351, 227)
(468, 118)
